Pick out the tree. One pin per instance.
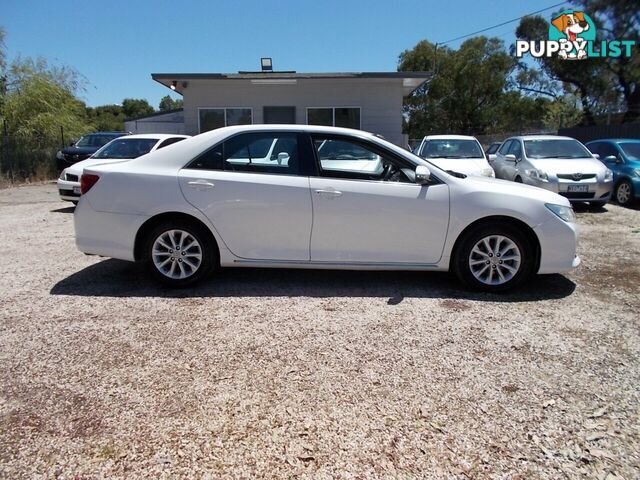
(470, 92)
(107, 117)
(36, 111)
(167, 104)
(136, 107)
(37, 102)
(603, 85)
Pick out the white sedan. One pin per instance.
(118, 150)
(456, 153)
(299, 196)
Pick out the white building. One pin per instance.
(369, 101)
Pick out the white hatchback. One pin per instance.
(455, 153)
(299, 196)
(118, 150)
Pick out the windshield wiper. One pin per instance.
(456, 174)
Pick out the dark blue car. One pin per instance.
(84, 148)
(622, 156)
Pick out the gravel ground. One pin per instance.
(281, 373)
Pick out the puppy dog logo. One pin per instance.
(572, 30)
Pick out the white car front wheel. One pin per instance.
(494, 258)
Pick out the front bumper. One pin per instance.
(596, 191)
(68, 191)
(558, 246)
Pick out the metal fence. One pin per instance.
(596, 132)
(31, 158)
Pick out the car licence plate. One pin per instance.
(578, 188)
(76, 190)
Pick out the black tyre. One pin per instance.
(518, 180)
(624, 193)
(494, 258)
(180, 253)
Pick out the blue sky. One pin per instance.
(117, 44)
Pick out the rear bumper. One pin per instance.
(106, 234)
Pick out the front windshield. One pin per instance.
(560, 148)
(126, 148)
(631, 150)
(452, 149)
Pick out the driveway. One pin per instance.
(283, 373)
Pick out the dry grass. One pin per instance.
(313, 374)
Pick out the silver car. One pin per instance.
(559, 164)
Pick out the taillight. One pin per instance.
(87, 181)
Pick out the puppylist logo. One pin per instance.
(572, 36)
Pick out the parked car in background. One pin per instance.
(456, 153)
(84, 148)
(491, 152)
(118, 150)
(218, 200)
(622, 156)
(559, 164)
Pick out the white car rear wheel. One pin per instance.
(180, 253)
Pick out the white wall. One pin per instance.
(380, 100)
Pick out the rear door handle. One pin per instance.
(329, 193)
(200, 184)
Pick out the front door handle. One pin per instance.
(329, 192)
(200, 184)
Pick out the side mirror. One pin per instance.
(283, 157)
(611, 158)
(596, 156)
(423, 175)
(510, 157)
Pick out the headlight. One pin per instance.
(62, 174)
(537, 175)
(488, 172)
(565, 213)
(59, 155)
(608, 175)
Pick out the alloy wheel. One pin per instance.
(176, 254)
(494, 260)
(623, 193)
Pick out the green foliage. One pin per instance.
(39, 108)
(167, 103)
(136, 107)
(107, 118)
(562, 112)
(470, 91)
(37, 103)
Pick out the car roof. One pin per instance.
(449, 137)
(155, 136)
(540, 137)
(616, 140)
(107, 133)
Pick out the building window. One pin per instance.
(211, 118)
(348, 117)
